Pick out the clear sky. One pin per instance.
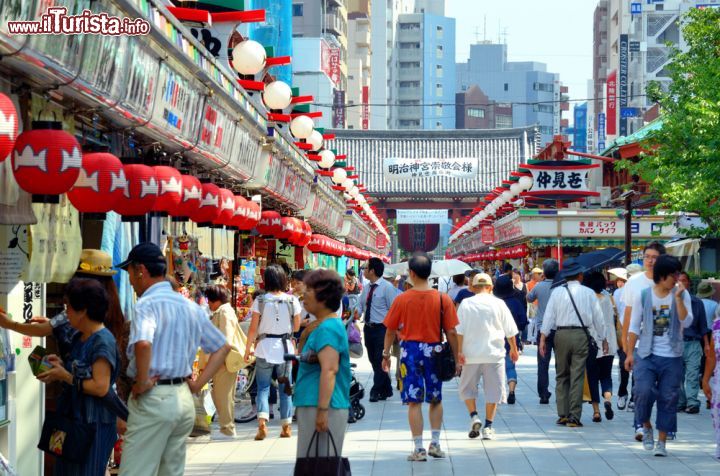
(556, 32)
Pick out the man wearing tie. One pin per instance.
(375, 302)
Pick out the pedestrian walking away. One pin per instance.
(694, 338)
(506, 291)
(658, 318)
(485, 325)
(541, 293)
(572, 311)
(375, 302)
(418, 315)
(166, 332)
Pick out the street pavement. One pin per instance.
(527, 442)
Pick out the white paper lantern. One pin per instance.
(339, 176)
(302, 127)
(316, 140)
(354, 192)
(360, 199)
(507, 196)
(277, 95)
(327, 158)
(348, 184)
(248, 57)
(526, 182)
(515, 189)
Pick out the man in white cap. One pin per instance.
(485, 325)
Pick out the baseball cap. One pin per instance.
(144, 253)
(536, 271)
(482, 279)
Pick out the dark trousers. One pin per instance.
(543, 378)
(624, 375)
(374, 343)
(599, 372)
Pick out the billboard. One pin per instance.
(422, 217)
(330, 62)
(623, 79)
(611, 104)
(338, 111)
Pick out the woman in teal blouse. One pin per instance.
(322, 391)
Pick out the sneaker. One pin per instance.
(622, 402)
(511, 398)
(639, 434)
(418, 455)
(660, 449)
(692, 410)
(475, 425)
(546, 399)
(435, 451)
(222, 436)
(647, 439)
(631, 406)
(488, 433)
(609, 413)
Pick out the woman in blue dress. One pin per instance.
(88, 375)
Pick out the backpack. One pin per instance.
(287, 300)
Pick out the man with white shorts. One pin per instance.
(485, 325)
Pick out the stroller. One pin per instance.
(357, 392)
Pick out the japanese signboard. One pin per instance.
(615, 228)
(177, 104)
(365, 107)
(338, 110)
(422, 217)
(574, 178)
(611, 107)
(623, 86)
(395, 169)
(487, 234)
(601, 132)
(508, 231)
(330, 62)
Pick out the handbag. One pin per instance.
(592, 345)
(235, 359)
(66, 438)
(443, 354)
(322, 465)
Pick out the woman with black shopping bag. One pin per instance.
(322, 392)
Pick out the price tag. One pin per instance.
(26, 342)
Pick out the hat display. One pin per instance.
(620, 273)
(536, 271)
(482, 279)
(572, 268)
(633, 269)
(144, 253)
(705, 290)
(96, 262)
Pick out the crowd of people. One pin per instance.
(136, 378)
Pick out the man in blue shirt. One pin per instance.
(694, 337)
(541, 292)
(375, 302)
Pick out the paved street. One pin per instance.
(528, 442)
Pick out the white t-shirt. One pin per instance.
(661, 321)
(275, 319)
(633, 288)
(485, 324)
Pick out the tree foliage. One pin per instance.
(682, 159)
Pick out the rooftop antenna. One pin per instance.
(485, 28)
(504, 36)
(477, 35)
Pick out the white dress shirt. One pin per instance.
(561, 313)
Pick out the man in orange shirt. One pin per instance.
(419, 313)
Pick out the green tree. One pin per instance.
(682, 159)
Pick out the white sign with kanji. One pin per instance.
(561, 179)
(395, 169)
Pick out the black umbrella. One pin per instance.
(594, 260)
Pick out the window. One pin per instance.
(546, 87)
(505, 87)
(543, 108)
(547, 130)
(438, 90)
(476, 112)
(438, 125)
(503, 122)
(409, 64)
(439, 110)
(439, 52)
(409, 84)
(439, 71)
(297, 9)
(439, 33)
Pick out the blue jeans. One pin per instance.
(658, 379)
(510, 372)
(263, 377)
(692, 356)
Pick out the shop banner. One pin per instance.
(573, 178)
(365, 107)
(177, 105)
(601, 132)
(396, 169)
(217, 131)
(623, 80)
(611, 107)
(330, 62)
(338, 111)
(487, 234)
(422, 217)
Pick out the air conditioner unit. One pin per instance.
(605, 196)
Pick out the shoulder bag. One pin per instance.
(443, 354)
(65, 437)
(322, 465)
(592, 345)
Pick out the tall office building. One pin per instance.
(537, 95)
(359, 64)
(384, 61)
(275, 32)
(426, 68)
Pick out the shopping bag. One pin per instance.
(322, 465)
(202, 425)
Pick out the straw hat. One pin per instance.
(620, 273)
(96, 262)
(705, 290)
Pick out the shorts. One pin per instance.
(493, 376)
(417, 370)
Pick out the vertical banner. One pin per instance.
(330, 62)
(338, 118)
(611, 107)
(623, 86)
(601, 132)
(365, 107)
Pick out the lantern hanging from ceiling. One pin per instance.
(302, 127)
(526, 182)
(316, 140)
(9, 126)
(209, 209)
(277, 95)
(140, 194)
(191, 195)
(101, 184)
(169, 189)
(306, 233)
(286, 228)
(240, 215)
(327, 159)
(270, 223)
(348, 184)
(248, 57)
(46, 160)
(316, 243)
(227, 208)
(339, 176)
(254, 214)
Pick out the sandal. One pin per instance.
(609, 413)
(596, 417)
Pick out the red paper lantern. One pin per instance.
(169, 189)
(46, 160)
(307, 234)
(286, 228)
(141, 193)
(190, 198)
(270, 223)
(227, 208)
(317, 243)
(209, 205)
(101, 183)
(253, 216)
(8, 126)
(240, 216)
